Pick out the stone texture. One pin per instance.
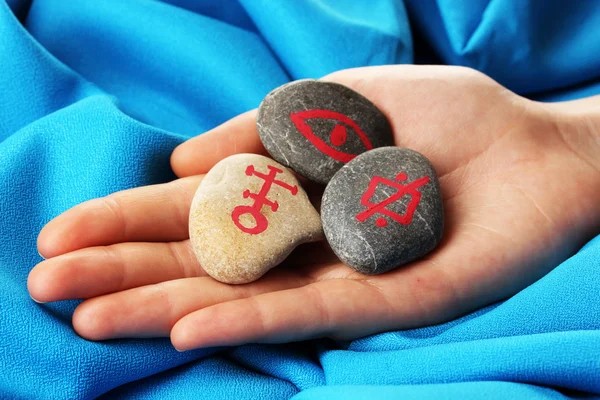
(383, 209)
(231, 245)
(316, 127)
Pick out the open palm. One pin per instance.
(518, 199)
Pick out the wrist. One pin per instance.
(578, 123)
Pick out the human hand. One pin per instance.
(520, 182)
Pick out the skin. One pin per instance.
(520, 182)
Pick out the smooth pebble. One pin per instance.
(316, 127)
(383, 209)
(247, 215)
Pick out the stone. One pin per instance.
(247, 215)
(316, 127)
(383, 209)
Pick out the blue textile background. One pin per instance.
(94, 95)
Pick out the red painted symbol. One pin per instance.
(260, 200)
(402, 189)
(337, 137)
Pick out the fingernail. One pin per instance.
(39, 302)
(40, 254)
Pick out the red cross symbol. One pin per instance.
(260, 200)
(402, 189)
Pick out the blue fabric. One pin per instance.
(94, 95)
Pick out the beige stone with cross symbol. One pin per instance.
(247, 216)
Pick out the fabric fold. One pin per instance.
(94, 96)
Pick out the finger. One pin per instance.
(96, 271)
(146, 214)
(337, 307)
(198, 155)
(151, 311)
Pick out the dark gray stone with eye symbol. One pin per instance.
(316, 127)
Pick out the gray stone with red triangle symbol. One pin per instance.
(383, 209)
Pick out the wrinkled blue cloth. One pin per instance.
(94, 95)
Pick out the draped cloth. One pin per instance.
(94, 96)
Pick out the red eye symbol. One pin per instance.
(337, 137)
